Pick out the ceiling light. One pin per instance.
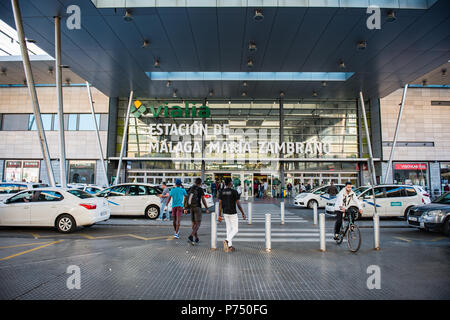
(68, 81)
(128, 17)
(250, 63)
(258, 15)
(315, 94)
(444, 72)
(211, 93)
(342, 64)
(244, 84)
(3, 71)
(174, 93)
(168, 84)
(50, 70)
(252, 46)
(24, 82)
(390, 17)
(244, 93)
(424, 82)
(324, 83)
(281, 94)
(362, 45)
(145, 44)
(156, 64)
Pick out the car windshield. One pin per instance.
(360, 190)
(319, 190)
(80, 193)
(444, 199)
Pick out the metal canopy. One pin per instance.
(108, 51)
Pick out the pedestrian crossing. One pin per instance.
(257, 233)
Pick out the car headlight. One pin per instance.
(433, 213)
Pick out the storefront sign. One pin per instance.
(31, 164)
(410, 166)
(14, 164)
(174, 111)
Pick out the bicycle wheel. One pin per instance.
(353, 238)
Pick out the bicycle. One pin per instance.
(351, 230)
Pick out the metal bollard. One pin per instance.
(213, 231)
(268, 234)
(282, 212)
(249, 213)
(315, 213)
(246, 195)
(322, 231)
(376, 231)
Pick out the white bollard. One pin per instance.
(322, 231)
(282, 212)
(268, 234)
(213, 231)
(376, 231)
(246, 195)
(315, 213)
(249, 213)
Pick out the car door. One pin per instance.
(15, 211)
(396, 201)
(138, 196)
(45, 207)
(369, 204)
(117, 199)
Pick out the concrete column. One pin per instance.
(281, 141)
(203, 148)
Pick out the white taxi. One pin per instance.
(64, 209)
(132, 199)
(391, 200)
(317, 196)
(7, 189)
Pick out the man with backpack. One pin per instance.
(195, 197)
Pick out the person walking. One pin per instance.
(332, 190)
(195, 196)
(289, 189)
(214, 189)
(266, 187)
(177, 194)
(228, 200)
(302, 188)
(164, 204)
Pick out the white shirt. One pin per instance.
(346, 200)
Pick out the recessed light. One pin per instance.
(362, 45)
(156, 64)
(211, 93)
(252, 46)
(444, 72)
(24, 82)
(315, 94)
(390, 17)
(244, 84)
(174, 93)
(250, 63)
(128, 17)
(424, 82)
(281, 94)
(258, 15)
(68, 81)
(3, 71)
(168, 84)
(244, 93)
(50, 70)
(342, 64)
(145, 44)
(324, 83)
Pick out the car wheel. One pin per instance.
(152, 212)
(446, 227)
(311, 204)
(65, 223)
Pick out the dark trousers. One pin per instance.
(338, 223)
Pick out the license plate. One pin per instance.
(412, 219)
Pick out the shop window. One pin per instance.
(22, 170)
(82, 171)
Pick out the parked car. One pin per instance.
(89, 188)
(434, 216)
(318, 195)
(133, 199)
(7, 189)
(391, 200)
(64, 209)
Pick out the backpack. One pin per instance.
(193, 197)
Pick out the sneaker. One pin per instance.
(197, 240)
(176, 236)
(336, 236)
(165, 219)
(225, 245)
(191, 240)
(230, 249)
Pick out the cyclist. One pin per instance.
(344, 200)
